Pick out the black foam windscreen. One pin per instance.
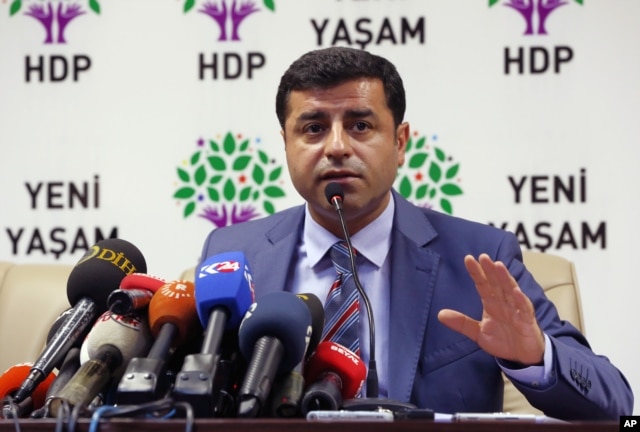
(332, 190)
(281, 315)
(101, 269)
(317, 319)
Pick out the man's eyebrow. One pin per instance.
(312, 115)
(359, 113)
(321, 115)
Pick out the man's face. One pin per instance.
(344, 134)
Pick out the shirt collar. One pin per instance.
(372, 242)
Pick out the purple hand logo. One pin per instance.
(47, 15)
(529, 9)
(235, 14)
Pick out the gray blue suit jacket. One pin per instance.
(430, 365)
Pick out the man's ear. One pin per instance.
(402, 138)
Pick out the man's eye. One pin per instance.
(361, 126)
(314, 129)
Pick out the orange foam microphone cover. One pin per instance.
(174, 303)
(13, 377)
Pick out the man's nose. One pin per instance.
(338, 144)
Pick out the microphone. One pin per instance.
(335, 195)
(59, 321)
(37, 399)
(111, 343)
(96, 274)
(274, 335)
(173, 320)
(229, 374)
(287, 392)
(317, 320)
(69, 367)
(223, 293)
(135, 292)
(10, 382)
(336, 373)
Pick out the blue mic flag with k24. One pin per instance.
(224, 280)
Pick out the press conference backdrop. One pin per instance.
(153, 120)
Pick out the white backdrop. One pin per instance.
(120, 107)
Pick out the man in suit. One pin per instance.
(453, 303)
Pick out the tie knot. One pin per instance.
(339, 254)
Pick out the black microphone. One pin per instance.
(36, 402)
(91, 280)
(335, 195)
(288, 391)
(66, 371)
(59, 322)
(274, 335)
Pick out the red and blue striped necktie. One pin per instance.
(342, 315)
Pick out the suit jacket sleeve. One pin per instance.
(452, 373)
(594, 386)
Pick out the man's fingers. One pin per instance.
(477, 274)
(460, 322)
(498, 277)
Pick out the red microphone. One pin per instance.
(135, 292)
(336, 373)
(13, 377)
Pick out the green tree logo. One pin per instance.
(228, 182)
(429, 177)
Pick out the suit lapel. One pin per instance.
(413, 277)
(272, 262)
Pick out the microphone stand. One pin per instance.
(372, 401)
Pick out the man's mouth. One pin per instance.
(339, 175)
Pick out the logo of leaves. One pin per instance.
(429, 176)
(233, 176)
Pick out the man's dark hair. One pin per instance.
(329, 67)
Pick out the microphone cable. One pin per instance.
(10, 407)
(147, 410)
(372, 402)
(335, 195)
